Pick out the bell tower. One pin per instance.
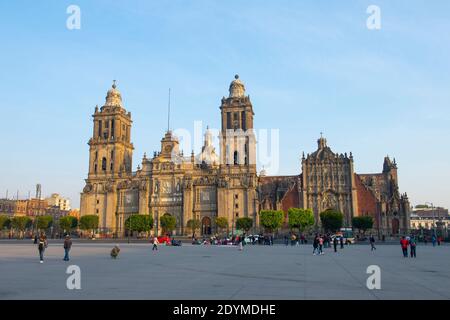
(238, 145)
(110, 148)
(237, 174)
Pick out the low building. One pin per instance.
(56, 200)
(7, 207)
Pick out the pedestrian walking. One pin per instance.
(155, 244)
(341, 241)
(412, 246)
(67, 247)
(404, 245)
(372, 243)
(320, 245)
(335, 244)
(42, 244)
(286, 242)
(315, 244)
(433, 240)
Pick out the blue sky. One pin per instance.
(309, 66)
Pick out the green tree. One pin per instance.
(89, 222)
(44, 222)
(168, 223)
(21, 223)
(244, 223)
(5, 222)
(300, 219)
(362, 223)
(68, 223)
(331, 220)
(193, 224)
(221, 223)
(271, 220)
(139, 223)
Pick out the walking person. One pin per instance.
(320, 245)
(155, 244)
(412, 246)
(335, 244)
(315, 244)
(42, 244)
(67, 247)
(433, 240)
(372, 243)
(341, 241)
(404, 245)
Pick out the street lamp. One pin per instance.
(432, 210)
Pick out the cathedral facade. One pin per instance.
(224, 184)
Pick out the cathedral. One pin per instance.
(225, 184)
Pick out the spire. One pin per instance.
(237, 88)
(322, 142)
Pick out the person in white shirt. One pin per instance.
(155, 244)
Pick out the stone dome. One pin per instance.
(237, 88)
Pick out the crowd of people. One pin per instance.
(319, 242)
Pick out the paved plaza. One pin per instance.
(214, 272)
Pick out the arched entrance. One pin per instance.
(206, 226)
(395, 226)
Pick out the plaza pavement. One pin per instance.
(214, 272)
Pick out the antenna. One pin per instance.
(168, 114)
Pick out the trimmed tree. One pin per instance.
(89, 222)
(68, 223)
(5, 222)
(331, 220)
(244, 223)
(221, 223)
(21, 223)
(300, 219)
(363, 223)
(168, 223)
(139, 223)
(271, 220)
(193, 224)
(44, 222)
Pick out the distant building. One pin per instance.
(7, 207)
(11, 207)
(36, 207)
(56, 200)
(430, 212)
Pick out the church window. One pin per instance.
(243, 120)
(96, 211)
(99, 128)
(112, 128)
(236, 120)
(236, 158)
(229, 120)
(104, 164)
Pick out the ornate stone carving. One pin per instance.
(87, 188)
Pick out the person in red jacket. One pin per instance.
(404, 244)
